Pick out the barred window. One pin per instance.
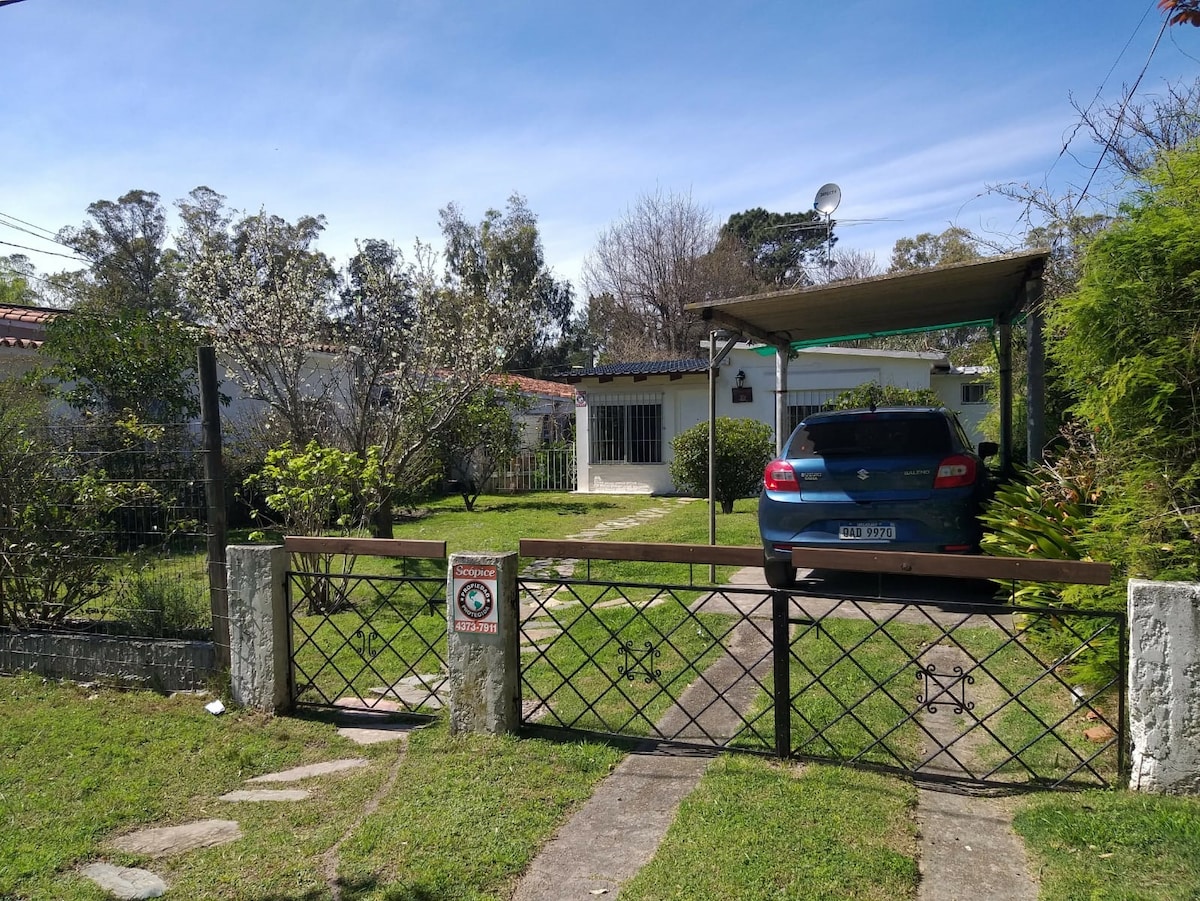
(626, 428)
(802, 404)
(974, 393)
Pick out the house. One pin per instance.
(628, 414)
(22, 330)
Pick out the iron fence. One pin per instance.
(546, 468)
(367, 624)
(103, 529)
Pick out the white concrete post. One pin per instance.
(258, 626)
(1164, 686)
(483, 643)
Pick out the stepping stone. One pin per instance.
(126, 883)
(313, 769)
(536, 635)
(268, 794)
(170, 840)
(364, 727)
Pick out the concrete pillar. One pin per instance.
(483, 643)
(258, 626)
(1164, 686)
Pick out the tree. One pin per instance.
(111, 362)
(482, 436)
(125, 246)
(743, 448)
(1181, 12)
(648, 266)
(777, 249)
(17, 275)
(954, 245)
(266, 291)
(502, 255)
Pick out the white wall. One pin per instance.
(685, 402)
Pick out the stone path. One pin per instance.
(133, 883)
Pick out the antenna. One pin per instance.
(829, 196)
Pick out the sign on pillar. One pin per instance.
(483, 643)
(474, 598)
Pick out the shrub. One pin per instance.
(743, 448)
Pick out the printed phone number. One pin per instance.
(468, 626)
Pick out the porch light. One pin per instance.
(740, 378)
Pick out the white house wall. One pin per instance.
(685, 402)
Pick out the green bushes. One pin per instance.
(743, 448)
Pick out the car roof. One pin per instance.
(866, 411)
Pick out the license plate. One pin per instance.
(868, 531)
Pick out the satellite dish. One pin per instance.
(828, 198)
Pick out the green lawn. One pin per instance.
(79, 766)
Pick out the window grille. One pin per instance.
(805, 403)
(626, 428)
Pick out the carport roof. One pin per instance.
(984, 292)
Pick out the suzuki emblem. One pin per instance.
(863, 474)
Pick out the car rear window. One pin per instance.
(872, 437)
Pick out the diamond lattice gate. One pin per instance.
(985, 694)
(367, 623)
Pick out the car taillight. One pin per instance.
(779, 476)
(955, 472)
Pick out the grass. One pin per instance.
(576, 675)
(755, 829)
(1119, 846)
(79, 766)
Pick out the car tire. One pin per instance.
(779, 573)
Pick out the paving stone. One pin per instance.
(126, 883)
(268, 794)
(169, 840)
(313, 769)
(535, 635)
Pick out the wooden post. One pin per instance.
(214, 493)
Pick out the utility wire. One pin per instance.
(49, 252)
(53, 235)
(1096, 98)
(1120, 117)
(34, 234)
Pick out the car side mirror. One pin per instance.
(988, 449)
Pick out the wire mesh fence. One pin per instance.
(103, 529)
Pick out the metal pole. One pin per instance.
(1035, 383)
(214, 494)
(781, 671)
(712, 449)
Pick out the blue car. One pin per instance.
(893, 478)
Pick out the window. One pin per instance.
(974, 393)
(626, 428)
(805, 403)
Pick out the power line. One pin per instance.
(53, 235)
(1120, 117)
(52, 253)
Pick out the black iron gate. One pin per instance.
(367, 623)
(985, 694)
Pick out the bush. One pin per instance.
(743, 448)
(873, 394)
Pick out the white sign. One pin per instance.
(474, 598)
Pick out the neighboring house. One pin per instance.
(22, 330)
(628, 414)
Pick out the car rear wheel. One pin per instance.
(779, 573)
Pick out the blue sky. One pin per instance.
(376, 113)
